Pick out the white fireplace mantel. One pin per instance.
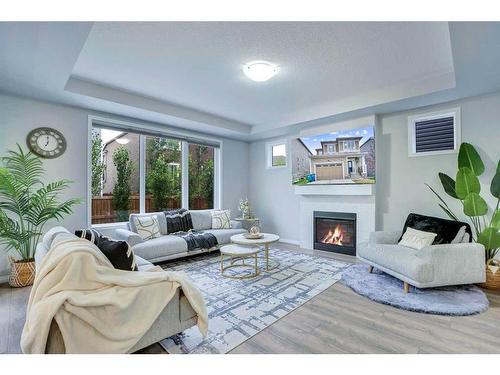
(347, 189)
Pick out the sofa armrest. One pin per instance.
(130, 237)
(385, 237)
(236, 224)
(458, 263)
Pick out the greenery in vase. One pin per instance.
(98, 166)
(245, 209)
(121, 188)
(466, 188)
(26, 203)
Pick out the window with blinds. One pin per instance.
(435, 133)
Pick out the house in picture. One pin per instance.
(341, 159)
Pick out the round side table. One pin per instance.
(238, 253)
(248, 223)
(265, 240)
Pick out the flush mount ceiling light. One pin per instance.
(260, 71)
(123, 141)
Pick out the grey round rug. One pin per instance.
(383, 288)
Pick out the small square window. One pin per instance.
(276, 155)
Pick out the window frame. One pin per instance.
(449, 112)
(269, 153)
(143, 130)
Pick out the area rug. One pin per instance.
(381, 287)
(239, 309)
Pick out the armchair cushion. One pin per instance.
(446, 230)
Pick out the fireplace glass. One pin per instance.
(335, 232)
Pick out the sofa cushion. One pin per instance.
(89, 234)
(162, 222)
(119, 253)
(221, 219)
(160, 247)
(224, 235)
(202, 219)
(446, 230)
(143, 264)
(400, 259)
(147, 227)
(417, 239)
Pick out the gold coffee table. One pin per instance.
(239, 253)
(266, 239)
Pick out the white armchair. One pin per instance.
(431, 266)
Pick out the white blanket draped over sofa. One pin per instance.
(98, 308)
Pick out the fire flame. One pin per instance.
(335, 237)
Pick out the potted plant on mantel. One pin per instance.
(26, 205)
(466, 188)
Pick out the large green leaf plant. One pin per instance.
(27, 203)
(467, 189)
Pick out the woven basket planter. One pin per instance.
(492, 275)
(22, 273)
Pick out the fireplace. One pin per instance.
(335, 231)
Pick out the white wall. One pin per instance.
(272, 195)
(400, 179)
(18, 116)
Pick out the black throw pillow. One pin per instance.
(89, 234)
(178, 220)
(446, 230)
(119, 253)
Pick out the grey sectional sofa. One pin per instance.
(170, 246)
(176, 317)
(431, 266)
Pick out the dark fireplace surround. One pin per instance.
(335, 231)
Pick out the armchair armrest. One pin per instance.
(458, 263)
(236, 224)
(130, 237)
(385, 237)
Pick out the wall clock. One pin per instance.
(46, 142)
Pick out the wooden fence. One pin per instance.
(102, 207)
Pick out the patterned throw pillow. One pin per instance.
(89, 234)
(147, 227)
(417, 239)
(119, 253)
(221, 219)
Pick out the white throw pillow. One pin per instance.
(147, 227)
(221, 219)
(417, 239)
(460, 235)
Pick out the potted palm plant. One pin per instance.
(26, 205)
(466, 188)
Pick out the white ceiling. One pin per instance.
(198, 64)
(189, 74)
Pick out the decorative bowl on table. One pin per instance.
(254, 233)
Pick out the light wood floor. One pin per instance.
(336, 321)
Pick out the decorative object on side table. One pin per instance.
(26, 205)
(466, 188)
(247, 218)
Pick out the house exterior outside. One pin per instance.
(368, 148)
(301, 159)
(339, 159)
